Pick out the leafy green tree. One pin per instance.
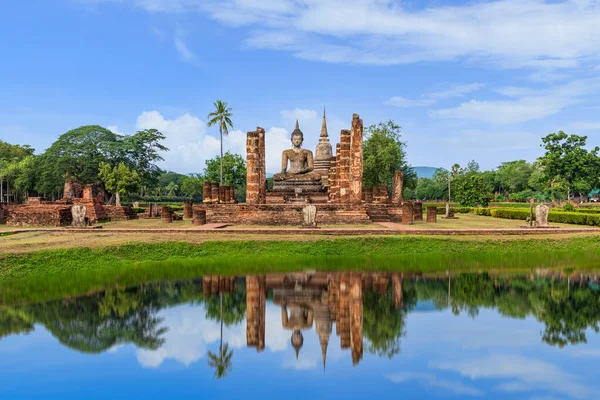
(430, 189)
(232, 171)
(119, 179)
(79, 154)
(15, 162)
(142, 152)
(469, 187)
(566, 160)
(192, 185)
(514, 176)
(383, 154)
(221, 116)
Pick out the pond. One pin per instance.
(311, 335)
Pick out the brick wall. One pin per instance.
(282, 214)
(40, 215)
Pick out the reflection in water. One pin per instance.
(347, 324)
(373, 305)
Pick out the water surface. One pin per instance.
(311, 335)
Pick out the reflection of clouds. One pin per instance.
(467, 333)
(523, 374)
(431, 381)
(189, 333)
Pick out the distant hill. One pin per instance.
(425, 172)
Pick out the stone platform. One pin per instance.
(282, 214)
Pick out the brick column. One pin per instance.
(431, 215)
(418, 210)
(255, 311)
(199, 217)
(332, 180)
(166, 215)
(262, 180)
(206, 192)
(356, 319)
(342, 324)
(187, 209)
(397, 290)
(407, 213)
(344, 166)
(222, 194)
(356, 160)
(337, 172)
(252, 168)
(214, 192)
(397, 187)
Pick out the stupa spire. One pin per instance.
(297, 126)
(324, 125)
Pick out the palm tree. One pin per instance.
(222, 362)
(222, 116)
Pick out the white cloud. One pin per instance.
(522, 373)
(431, 98)
(114, 129)
(430, 381)
(537, 34)
(531, 106)
(185, 54)
(585, 126)
(402, 102)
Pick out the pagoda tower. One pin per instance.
(323, 153)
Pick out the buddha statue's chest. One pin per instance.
(297, 161)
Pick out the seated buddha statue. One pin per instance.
(300, 160)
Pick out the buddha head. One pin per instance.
(297, 341)
(297, 137)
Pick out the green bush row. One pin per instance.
(456, 210)
(562, 217)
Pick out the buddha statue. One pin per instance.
(301, 164)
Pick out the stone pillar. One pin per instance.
(233, 195)
(221, 194)
(431, 215)
(397, 187)
(199, 217)
(343, 314)
(206, 192)
(407, 213)
(382, 194)
(356, 319)
(332, 180)
(166, 214)
(418, 210)
(262, 197)
(227, 195)
(368, 195)
(252, 168)
(397, 290)
(344, 166)
(214, 192)
(356, 160)
(256, 296)
(187, 209)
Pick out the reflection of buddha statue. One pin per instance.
(301, 163)
(301, 317)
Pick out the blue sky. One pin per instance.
(481, 80)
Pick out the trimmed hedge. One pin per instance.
(561, 217)
(457, 210)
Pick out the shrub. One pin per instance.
(525, 195)
(457, 210)
(561, 217)
(569, 207)
(482, 211)
(500, 197)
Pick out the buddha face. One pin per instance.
(297, 140)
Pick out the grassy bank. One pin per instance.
(59, 273)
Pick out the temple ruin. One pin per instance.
(333, 183)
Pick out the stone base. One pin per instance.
(282, 214)
(281, 197)
(293, 186)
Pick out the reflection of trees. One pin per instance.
(100, 321)
(566, 312)
(383, 324)
(14, 321)
(228, 308)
